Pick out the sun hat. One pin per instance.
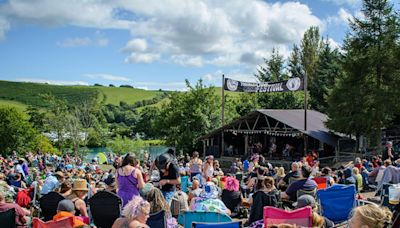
(80, 185)
(66, 205)
(162, 160)
(210, 157)
(59, 173)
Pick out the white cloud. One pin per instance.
(341, 18)
(97, 40)
(176, 86)
(53, 82)
(4, 26)
(221, 32)
(136, 45)
(225, 33)
(185, 60)
(108, 77)
(142, 58)
(215, 78)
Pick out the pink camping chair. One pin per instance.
(300, 217)
(62, 223)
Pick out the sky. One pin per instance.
(153, 44)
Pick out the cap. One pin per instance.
(66, 205)
(305, 200)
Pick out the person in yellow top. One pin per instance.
(66, 208)
(358, 177)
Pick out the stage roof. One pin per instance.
(293, 118)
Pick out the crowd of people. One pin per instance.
(184, 183)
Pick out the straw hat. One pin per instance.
(80, 185)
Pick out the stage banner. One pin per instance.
(292, 84)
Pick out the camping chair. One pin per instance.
(336, 202)
(62, 223)
(157, 220)
(7, 218)
(299, 217)
(236, 224)
(385, 196)
(48, 205)
(301, 192)
(322, 182)
(105, 208)
(186, 218)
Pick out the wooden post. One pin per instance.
(222, 114)
(305, 115)
(246, 144)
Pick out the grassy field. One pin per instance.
(114, 95)
(26, 93)
(19, 106)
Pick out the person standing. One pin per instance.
(169, 175)
(208, 169)
(388, 152)
(195, 165)
(129, 179)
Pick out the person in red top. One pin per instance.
(20, 212)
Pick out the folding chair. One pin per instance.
(62, 223)
(48, 205)
(105, 208)
(300, 217)
(157, 220)
(336, 202)
(186, 218)
(7, 218)
(322, 182)
(237, 224)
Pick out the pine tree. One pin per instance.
(366, 98)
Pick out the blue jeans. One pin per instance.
(168, 195)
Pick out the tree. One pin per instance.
(328, 69)
(36, 118)
(310, 48)
(273, 71)
(295, 67)
(189, 115)
(146, 123)
(367, 92)
(16, 133)
(56, 118)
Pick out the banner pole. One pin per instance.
(222, 114)
(305, 114)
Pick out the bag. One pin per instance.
(394, 194)
(179, 203)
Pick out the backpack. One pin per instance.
(179, 203)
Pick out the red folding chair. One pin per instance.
(62, 223)
(300, 217)
(322, 182)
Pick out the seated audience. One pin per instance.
(79, 191)
(66, 209)
(231, 195)
(21, 213)
(135, 213)
(304, 183)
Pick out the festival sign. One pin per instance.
(292, 84)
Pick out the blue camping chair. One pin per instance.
(236, 224)
(336, 202)
(186, 218)
(185, 184)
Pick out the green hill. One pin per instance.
(23, 93)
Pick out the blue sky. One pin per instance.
(155, 44)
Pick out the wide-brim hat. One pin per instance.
(80, 185)
(162, 160)
(59, 174)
